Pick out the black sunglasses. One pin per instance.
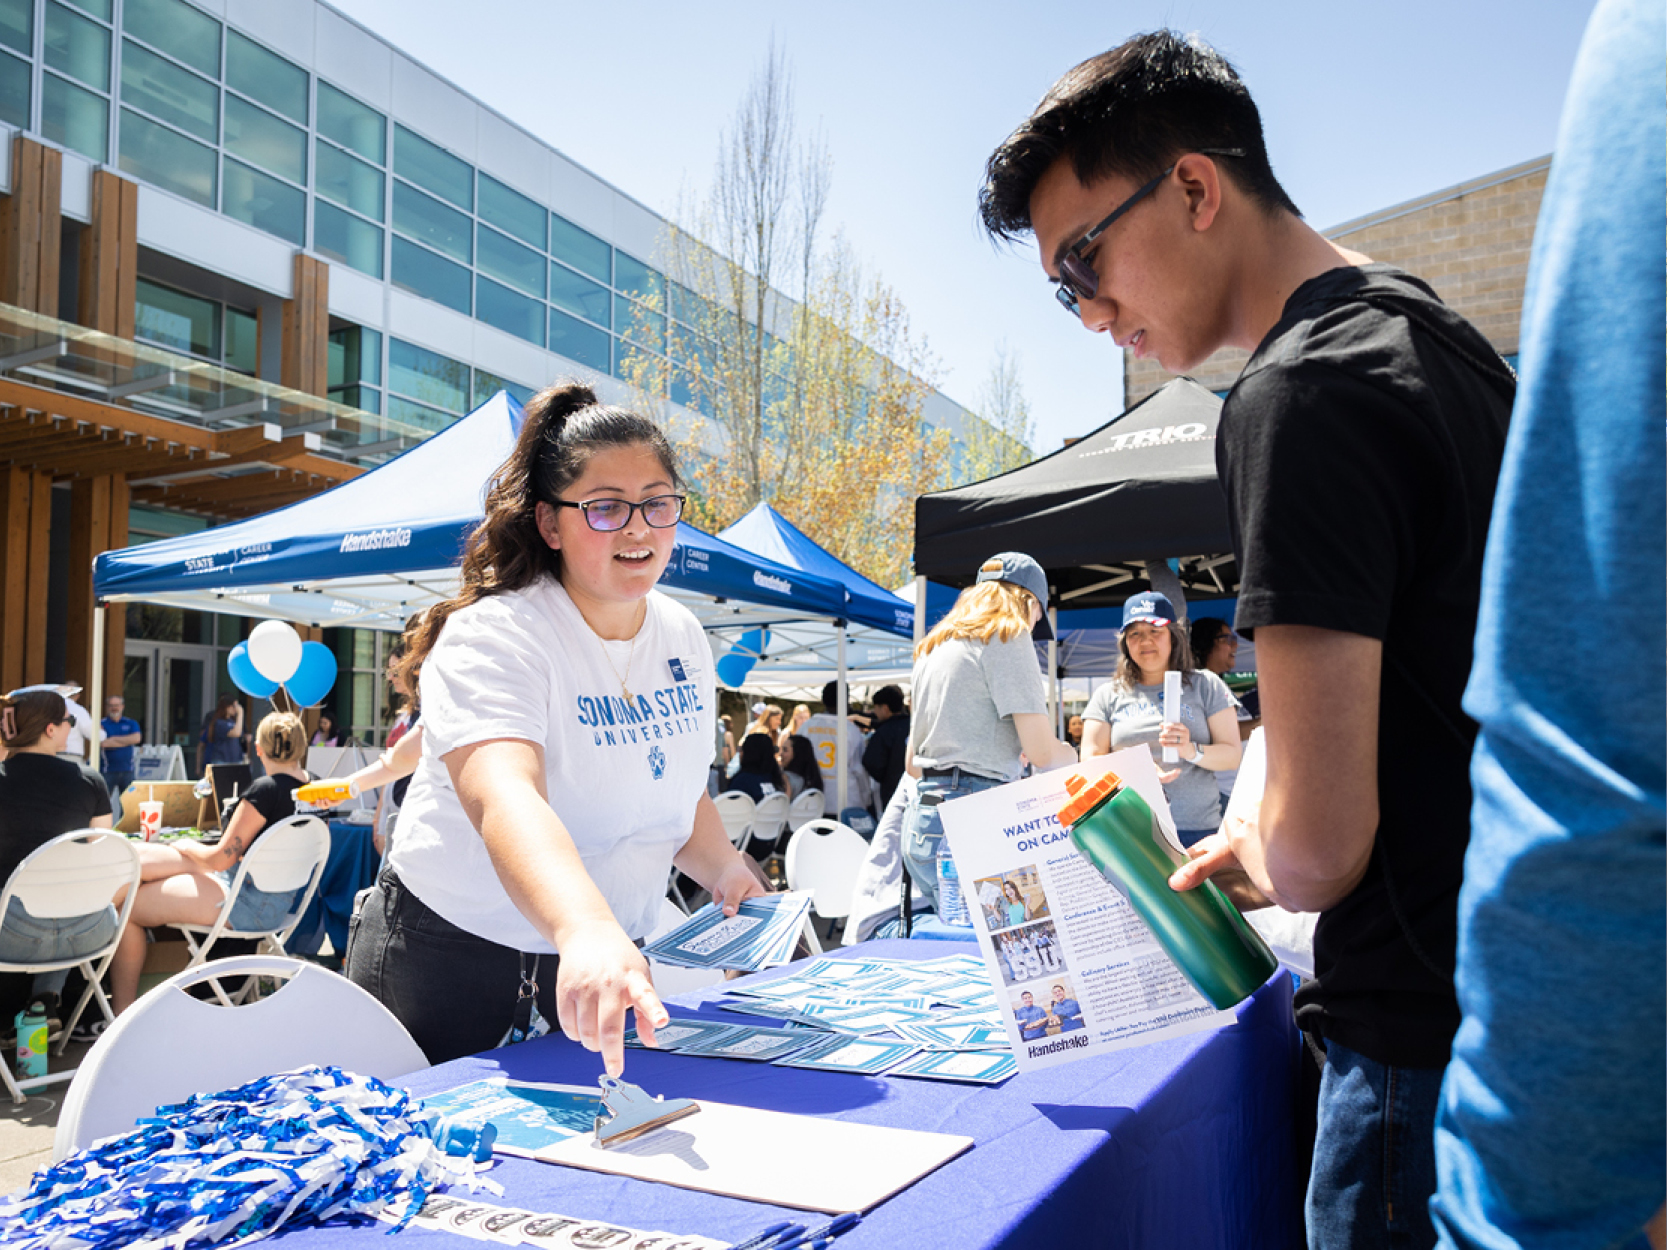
(1078, 280)
(606, 515)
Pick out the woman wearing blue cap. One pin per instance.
(1128, 711)
(979, 702)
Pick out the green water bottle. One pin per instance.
(1111, 825)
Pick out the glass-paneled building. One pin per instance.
(464, 254)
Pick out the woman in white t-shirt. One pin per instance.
(568, 721)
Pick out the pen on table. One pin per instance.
(820, 1237)
(771, 1235)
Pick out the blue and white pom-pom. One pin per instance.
(238, 1165)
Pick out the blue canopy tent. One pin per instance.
(375, 549)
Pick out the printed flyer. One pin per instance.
(1077, 972)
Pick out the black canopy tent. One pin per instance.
(1141, 487)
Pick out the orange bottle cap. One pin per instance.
(1086, 794)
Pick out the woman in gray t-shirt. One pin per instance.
(1128, 711)
(979, 703)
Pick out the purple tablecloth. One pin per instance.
(1184, 1143)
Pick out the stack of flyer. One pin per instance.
(761, 934)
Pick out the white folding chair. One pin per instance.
(142, 1061)
(669, 979)
(736, 809)
(288, 857)
(75, 874)
(769, 818)
(807, 807)
(825, 857)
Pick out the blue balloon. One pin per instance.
(732, 669)
(241, 669)
(314, 676)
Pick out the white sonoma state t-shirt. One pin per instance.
(624, 777)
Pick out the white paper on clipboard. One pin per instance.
(799, 1161)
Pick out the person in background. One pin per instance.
(1128, 711)
(221, 739)
(122, 735)
(796, 722)
(407, 729)
(798, 764)
(766, 719)
(885, 757)
(44, 794)
(1033, 1020)
(188, 882)
(979, 703)
(1067, 1011)
(1073, 732)
(759, 774)
(1551, 1129)
(82, 730)
(327, 734)
(1215, 647)
(838, 747)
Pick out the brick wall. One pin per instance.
(1470, 242)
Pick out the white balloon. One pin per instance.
(275, 650)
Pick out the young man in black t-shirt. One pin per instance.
(1359, 452)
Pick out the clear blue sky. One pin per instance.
(1365, 105)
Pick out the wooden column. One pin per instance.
(26, 506)
(109, 261)
(31, 228)
(306, 328)
(98, 523)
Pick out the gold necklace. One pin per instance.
(630, 655)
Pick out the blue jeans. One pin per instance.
(26, 940)
(1374, 1155)
(118, 783)
(923, 827)
(257, 911)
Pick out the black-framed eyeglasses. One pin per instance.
(1078, 280)
(606, 515)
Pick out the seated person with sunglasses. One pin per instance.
(569, 713)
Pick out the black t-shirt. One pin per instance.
(273, 796)
(1359, 451)
(886, 754)
(42, 796)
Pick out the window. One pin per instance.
(428, 377)
(167, 159)
(169, 93)
(261, 139)
(425, 219)
(508, 311)
(637, 280)
(185, 33)
(357, 127)
(354, 367)
(14, 91)
(75, 117)
(509, 262)
(581, 249)
(347, 180)
(266, 77)
(579, 295)
(17, 25)
(433, 168)
(489, 384)
(265, 203)
(345, 238)
(242, 335)
(579, 341)
(512, 212)
(77, 46)
(420, 271)
(639, 324)
(177, 321)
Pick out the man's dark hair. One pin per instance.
(1205, 632)
(830, 697)
(890, 698)
(1132, 111)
